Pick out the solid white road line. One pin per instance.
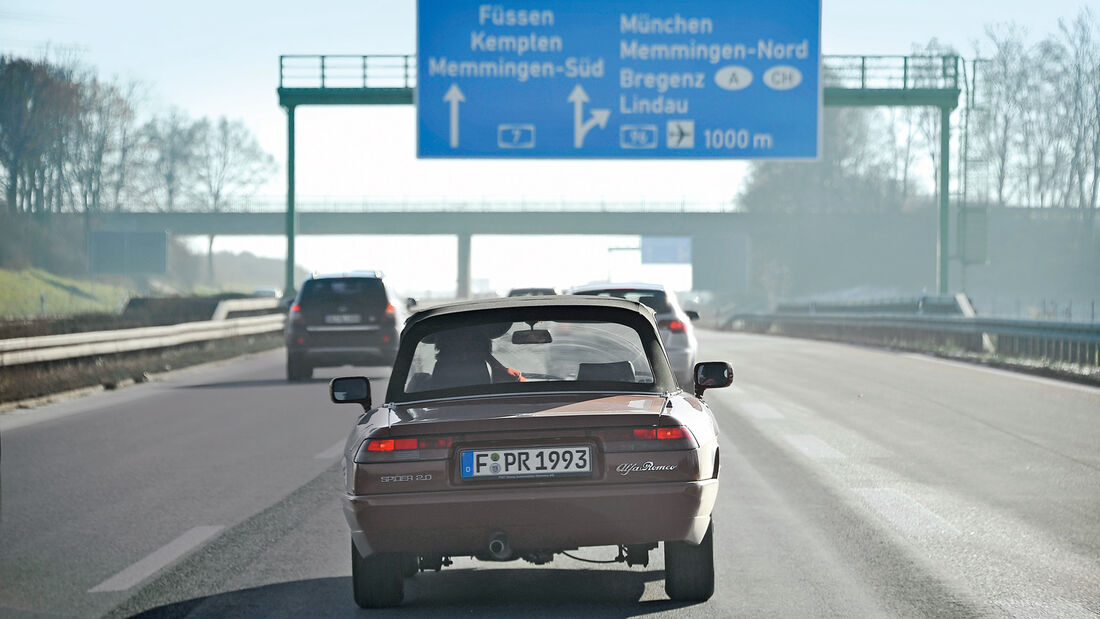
(1031, 607)
(905, 513)
(156, 561)
(812, 447)
(760, 410)
(331, 452)
(1005, 373)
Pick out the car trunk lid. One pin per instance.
(542, 413)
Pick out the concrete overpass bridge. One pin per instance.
(719, 239)
(850, 81)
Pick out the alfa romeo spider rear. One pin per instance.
(523, 428)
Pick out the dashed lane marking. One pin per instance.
(813, 447)
(157, 561)
(904, 512)
(331, 452)
(761, 410)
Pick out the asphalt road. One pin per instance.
(855, 482)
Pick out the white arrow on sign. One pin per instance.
(454, 97)
(599, 117)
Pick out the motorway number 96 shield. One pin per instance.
(528, 462)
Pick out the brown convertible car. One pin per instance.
(522, 428)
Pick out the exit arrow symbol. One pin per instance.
(599, 117)
(454, 97)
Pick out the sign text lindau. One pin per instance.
(619, 78)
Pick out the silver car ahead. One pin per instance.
(674, 323)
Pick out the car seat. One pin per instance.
(617, 371)
(448, 374)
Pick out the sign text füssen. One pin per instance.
(619, 79)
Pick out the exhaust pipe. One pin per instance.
(499, 548)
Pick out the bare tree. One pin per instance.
(1006, 72)
(901, 146)
(36, 101)
(123, 163)
(927, 69)
(229, 163)
(853, 175)
(171, 141)
(95, 130)
(1079, 71)
(1037, 143)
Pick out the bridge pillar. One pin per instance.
(720, 263)
(291, 220)
(462, 290)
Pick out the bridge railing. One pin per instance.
(344, 204)
(347, 71)
(891, 72)
(399, 71)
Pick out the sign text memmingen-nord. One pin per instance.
(619, 79)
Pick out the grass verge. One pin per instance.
(22, 294)
(33, 381)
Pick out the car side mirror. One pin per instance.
(712, 375)
(692, 314)
(410, 303)
(350, 390)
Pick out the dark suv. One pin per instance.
(342, 319)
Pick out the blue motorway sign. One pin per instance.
(619, 79)
(666, 250)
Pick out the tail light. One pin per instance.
(399, 449)
(647, 439)
(388, 316)
(296, 314)
(676, 326)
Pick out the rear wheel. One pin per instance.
(297, 368)
(376, 579)
(689, 569)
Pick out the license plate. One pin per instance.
(526, 462)
(343, 319)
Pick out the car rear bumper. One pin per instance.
(459, 523)
(340, 348)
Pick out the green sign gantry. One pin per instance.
(850, 81)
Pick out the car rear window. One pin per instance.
(654, 299)
(573, 352)
(530, 349)
(366, 290)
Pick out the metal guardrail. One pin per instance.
(22, 351)
(45, 348)
(1067, 342)
(225, 308)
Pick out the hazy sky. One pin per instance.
(214, 58)
(221, 58)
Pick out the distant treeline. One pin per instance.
(1029, 136)
(70, 141)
